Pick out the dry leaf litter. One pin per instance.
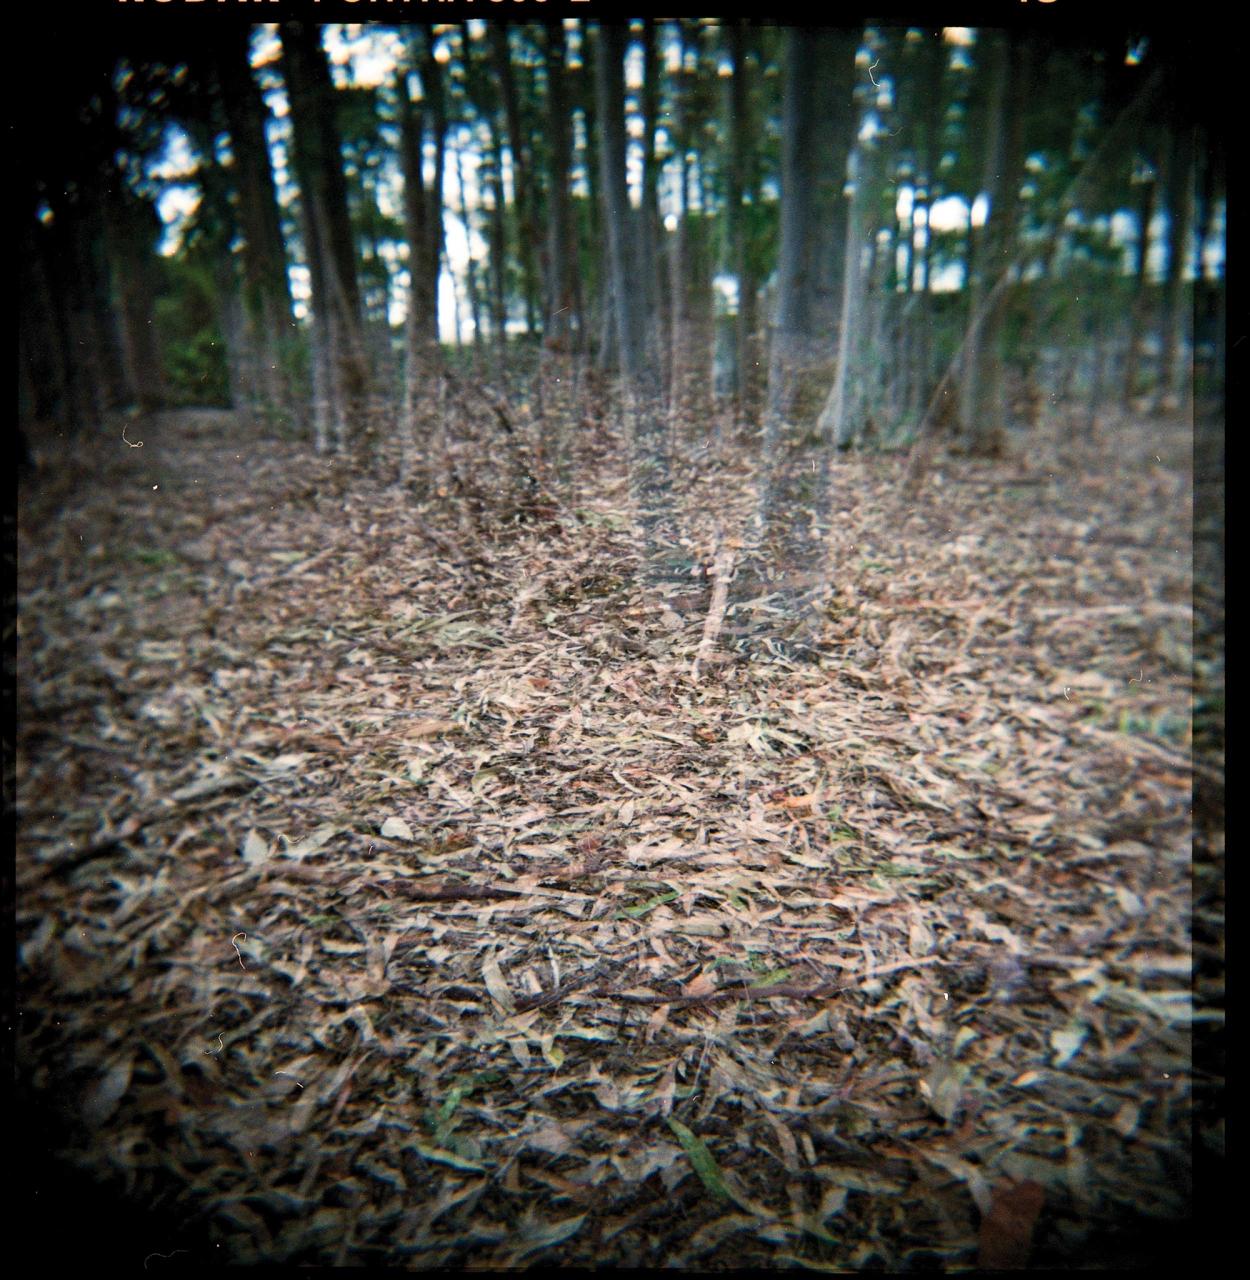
(400, 882)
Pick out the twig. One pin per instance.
(545, 998)
(722, 574)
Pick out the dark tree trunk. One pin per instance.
(266, 286)
(647, 221)
(816, 138)
(984, 399)
(745, 382)
(44, 333)
(341, 386)
(1174, 384)
(1141, 292)
(521, 164)
(563, 314)
(421, 319)
(639, 376)
(498, 240)
(133, 230)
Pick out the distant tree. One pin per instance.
(638, 374)
(522, 168)
(423, 227)
(817, 133)
(132, 230)
(994, 246)
(266, 285)
(816, 139)
(340, 369)
(1175, 335)
(562, 318)
(739, 354)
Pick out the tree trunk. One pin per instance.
(43, 333)
(498, 240)
(984, 398)
(341, 393)
(648, 217)
(521, 163)
(649, 466)
(1140, 302)
(678, 291)
(835, 424)
(743, 380)
(816, 137)
(1174, 337)
(266, 286)
(562, 315)
(133, 228)
(420, 321)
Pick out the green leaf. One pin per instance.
(642, 908)
(704, 1164)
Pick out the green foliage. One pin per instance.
(193, 348)
(194, 358)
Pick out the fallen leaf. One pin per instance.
(397, 829)
(1007, 1230)
(497, 984)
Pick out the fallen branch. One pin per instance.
(722, 575)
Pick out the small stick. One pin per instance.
(722, 573)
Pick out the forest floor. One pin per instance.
(395, 887)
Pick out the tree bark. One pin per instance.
(740, 132)
(819, 75)
(266, 286)
(1140, 301)
(1174, 384)
(341, 410)
(521, 164)
(835, 423)
(133, 228)
(563, 313)
(649, 466)
(984, 399)
(420, 320)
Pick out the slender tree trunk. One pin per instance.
(420, 321)
(328, 234)
(270, 331)
(527, 235)
(648, 219)
(743, 381)
(983, 392)
(678, 290)
(835, 423)
(1175, 331)
(498, 243)
(649, 466)
(472, 285)
(1140, 302)
(562, 316)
